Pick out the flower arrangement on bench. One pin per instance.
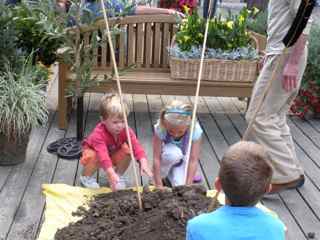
(230, 52)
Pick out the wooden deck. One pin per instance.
(22, 204)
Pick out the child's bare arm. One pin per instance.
(193, 161)
(156, 142)
(113, 178)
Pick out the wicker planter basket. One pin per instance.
(215, 69)
(261, 40)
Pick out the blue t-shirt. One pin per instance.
(235, 223)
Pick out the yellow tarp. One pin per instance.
(62, 200)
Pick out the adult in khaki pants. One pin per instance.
(270, 128)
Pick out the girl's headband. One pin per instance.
(178, 116)
(179, 111)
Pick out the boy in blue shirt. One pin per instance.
(244, 177)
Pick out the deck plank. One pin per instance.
(17, 182)
(5, 171)
(30, 208)
(144, 129)
(307, 130)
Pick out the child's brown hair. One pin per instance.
(177, 113)
(110, 106)
(245, 173)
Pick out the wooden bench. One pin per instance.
(143, 43)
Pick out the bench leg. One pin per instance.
(64, 104)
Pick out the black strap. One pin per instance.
(299, 23)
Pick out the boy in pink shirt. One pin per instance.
(107, 147)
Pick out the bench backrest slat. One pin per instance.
(148, 44)
(142, 42)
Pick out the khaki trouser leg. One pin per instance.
(271, 128)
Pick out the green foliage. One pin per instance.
(38, 29)
(226, 34)
(312, 72)
(8, 38)
(259, 23)
(308, 99)
(80, 55)
(22, 101)
(190, 32)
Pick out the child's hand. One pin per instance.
(144, 168)
(113, 178)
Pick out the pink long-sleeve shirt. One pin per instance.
(102, 141)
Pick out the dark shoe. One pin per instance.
(276, 188)
(166, 182)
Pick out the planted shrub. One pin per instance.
(38, 30)
(308, 99)
(8, 38)
(22, 101)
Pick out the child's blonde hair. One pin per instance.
(176, 113)
(110, 106)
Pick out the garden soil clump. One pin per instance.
(116, 216)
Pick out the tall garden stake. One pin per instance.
(194, 111)
(116, 73)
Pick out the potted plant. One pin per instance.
(22, 107)
(230, 53)
(308, 100)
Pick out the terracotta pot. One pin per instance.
(12, 153)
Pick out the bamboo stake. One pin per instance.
(195, 105)
(121, 102)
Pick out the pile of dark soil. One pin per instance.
(116, 216)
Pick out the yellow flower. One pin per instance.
(200, 35)
(255, 10)
(185, 9)
(241, 19)
(184, 20)
(230, 24)
(186, 38)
